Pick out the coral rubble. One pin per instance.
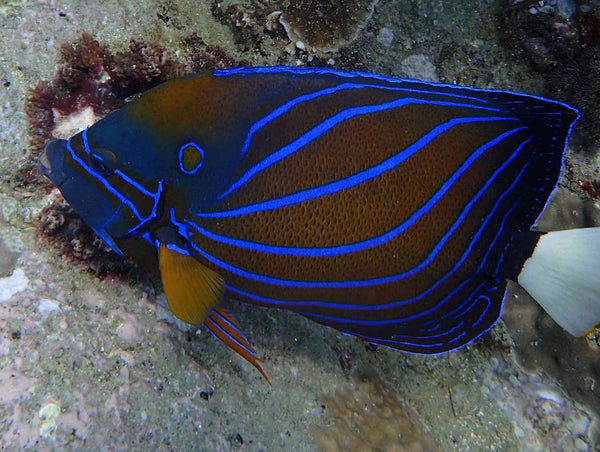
(325, 26)
(314, 27)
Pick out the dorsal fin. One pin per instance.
(191, 288)
(221, 323)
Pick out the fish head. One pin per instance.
(95, 181)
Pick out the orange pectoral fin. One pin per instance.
(192, 290)
(222, 324)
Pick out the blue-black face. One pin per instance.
(110, 201)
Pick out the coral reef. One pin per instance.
(371, 418)
(541, 344)
(562, 41)
(324, 26)
(314, 27)
(249, 22)
(76, 242)
(543, 416)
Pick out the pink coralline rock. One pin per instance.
(14, 386)
(12, 284)
(131, 330)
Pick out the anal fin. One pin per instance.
(191, 288)
(222, 324)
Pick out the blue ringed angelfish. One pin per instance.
(394, 210)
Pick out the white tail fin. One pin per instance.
(563, 276)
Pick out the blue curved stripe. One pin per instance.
(435, 87)
(286, 107)
(432, 336)
(391, 321)
(114, 191)
(355, 179)
(122, 175)
(384, 279)
(328, 124)
(351, 182)
(348, 307)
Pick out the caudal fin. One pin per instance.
(563, 276)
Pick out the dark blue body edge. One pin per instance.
(355, 74)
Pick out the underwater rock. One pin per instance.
(565, 50)
(12, 284)
(371, 418)
(7, 259)
(61, 228)
(325, 26)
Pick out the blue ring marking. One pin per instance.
(180, 157)
(374, 281)
(374, 241)
(355, 179)
(328, 124)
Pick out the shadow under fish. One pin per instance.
(394, 210)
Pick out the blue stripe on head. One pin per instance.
(125, 201)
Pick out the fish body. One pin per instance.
(394, 210)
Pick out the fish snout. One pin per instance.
(50, 162)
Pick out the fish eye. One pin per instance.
(103, 161)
